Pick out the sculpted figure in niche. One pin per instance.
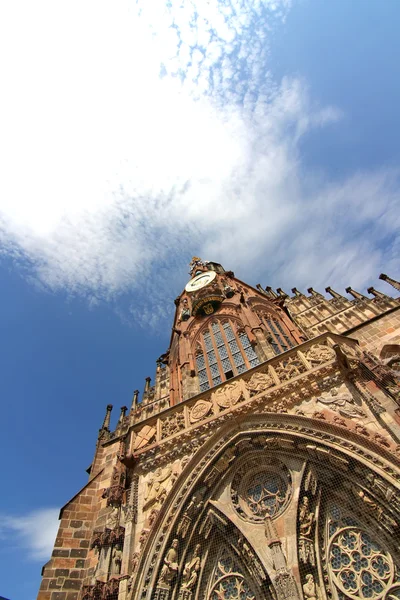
(342, 403)
(306, 518)
(170, 567)
(116, 560)
(191, 570)
(310, 588)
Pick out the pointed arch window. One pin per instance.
(223, 354)
(280, 337)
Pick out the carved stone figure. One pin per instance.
(191, 570)
(342, 403)
(113, 518)
(306, 518)
(116, 560)
(170, 567)
(310, 588)
(157, 486)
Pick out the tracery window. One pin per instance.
(223, 354)
(280, 337)
(228, 582)
(358, 565)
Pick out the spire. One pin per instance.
(356, 295)
(390, 281)
(106, 422)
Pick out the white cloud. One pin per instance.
(136, 135)
(34, 532)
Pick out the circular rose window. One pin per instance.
(261, 492)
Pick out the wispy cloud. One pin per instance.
(137, 134)
(34, 532)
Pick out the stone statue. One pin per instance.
(342, 403)
(170, 567)
(310, 588)
(306, 518)
(191, 570)
(116, 560)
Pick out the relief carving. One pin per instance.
(259, 382)
(156, 488)
(200, 410)
(229, 394)
(342, 403)
(172, 424)
(319, 354)
(143, 437)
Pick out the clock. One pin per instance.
(200, 281)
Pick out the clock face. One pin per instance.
(200, 281)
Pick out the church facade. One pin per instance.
(262, 464)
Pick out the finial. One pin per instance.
(134, 401)
(390, 281)
(281, 293)
(122, 415)
(311, 291)
(377, 293)
(271, 292)
(333, 293)
(296, 292)
(147, 385)
(106, 422)
(356, 295)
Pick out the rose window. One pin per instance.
(360, 568)
(260, 493)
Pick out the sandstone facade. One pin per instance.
(264, 462)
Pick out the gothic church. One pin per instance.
(262, 464)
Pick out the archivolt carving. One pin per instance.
(253, 431)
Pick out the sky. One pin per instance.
(261, 134)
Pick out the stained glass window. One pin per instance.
(279, 336)
(225, 354)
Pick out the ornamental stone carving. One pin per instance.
(343, 403)
(228, 395)
(319, 354)
(156, 488)
(200, 410)
(143, 437)
(259, 382)
(190, 575)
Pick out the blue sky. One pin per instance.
(260, 134)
